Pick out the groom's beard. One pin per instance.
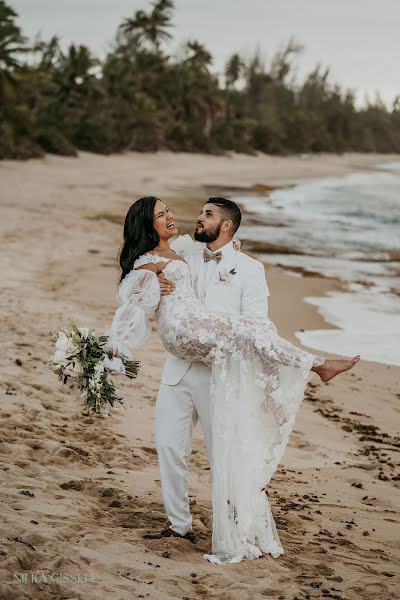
(207, 235)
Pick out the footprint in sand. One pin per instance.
(27, 493)
(110, 491)
(73, 485)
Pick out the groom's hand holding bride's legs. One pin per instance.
(166, 286)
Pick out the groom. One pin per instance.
(229, 282)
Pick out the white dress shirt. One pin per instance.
(208, 271)
(246, 294)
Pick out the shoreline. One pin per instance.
(357, 296)
(79, 492)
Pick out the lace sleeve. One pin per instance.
(145, 259)
(138, 295)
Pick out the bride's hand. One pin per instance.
(112, 353)
(114, 364)
(236, 243)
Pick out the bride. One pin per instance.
(257, 378)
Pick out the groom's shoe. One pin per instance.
(168, 532)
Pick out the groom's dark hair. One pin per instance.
(229, 210)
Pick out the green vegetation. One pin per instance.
(142, 98)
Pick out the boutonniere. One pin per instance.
(226, 276)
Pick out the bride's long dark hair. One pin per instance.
(139, 233)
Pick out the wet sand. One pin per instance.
(78, 492)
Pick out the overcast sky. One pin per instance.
(358, 39)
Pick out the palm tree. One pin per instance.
(233, 69)
(48, 52)
(151, 28)
(281, 62)
(11, 44)
(75, 68)
(198, 55)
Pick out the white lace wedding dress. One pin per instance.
(257, 386)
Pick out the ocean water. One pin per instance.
(347, 227)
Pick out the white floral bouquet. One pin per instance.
(83, 356)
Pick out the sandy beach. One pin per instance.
(78, 492)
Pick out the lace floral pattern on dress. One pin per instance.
(257, 386)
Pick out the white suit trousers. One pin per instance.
(178, 409)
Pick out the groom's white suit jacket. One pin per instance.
(245, 293)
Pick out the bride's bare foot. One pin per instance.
(333, 367)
